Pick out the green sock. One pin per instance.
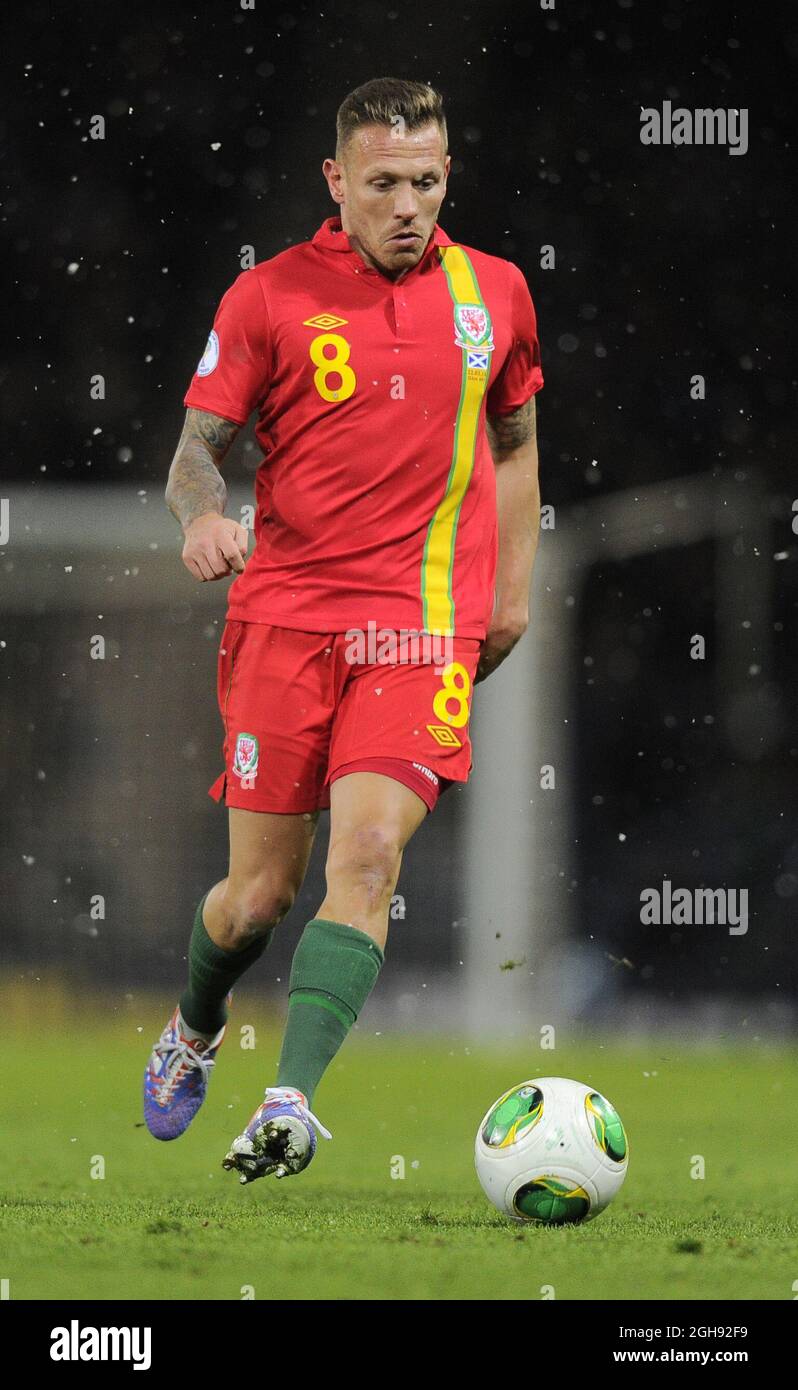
(333, 972)
(212, 972)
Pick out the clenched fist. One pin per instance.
(504, 630)
(215, 546)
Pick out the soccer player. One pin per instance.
(393, 373)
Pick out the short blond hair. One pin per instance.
(386, 101)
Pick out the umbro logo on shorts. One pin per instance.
(445, 736)
(428, 773)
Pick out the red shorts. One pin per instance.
(298, 712)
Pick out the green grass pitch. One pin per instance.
(165, 1222)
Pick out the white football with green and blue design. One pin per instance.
(551, 1151)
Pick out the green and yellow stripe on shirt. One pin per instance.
(438, 563)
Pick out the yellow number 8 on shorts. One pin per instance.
(456, 688)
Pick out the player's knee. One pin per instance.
(367, 857)
(252, 910)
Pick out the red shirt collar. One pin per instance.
(332, 237)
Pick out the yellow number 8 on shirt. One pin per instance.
(325, 366)
(453, 691)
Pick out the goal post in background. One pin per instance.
(490, 946)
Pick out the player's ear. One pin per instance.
(334, 174)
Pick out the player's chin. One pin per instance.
(404, 254)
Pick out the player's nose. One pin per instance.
(405, 204)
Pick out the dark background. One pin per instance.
(669, 262)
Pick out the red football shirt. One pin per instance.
(376, 495)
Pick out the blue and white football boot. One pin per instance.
(280, 1138)
(176, 1079)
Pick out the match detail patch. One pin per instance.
(210, 357)
(478, 361)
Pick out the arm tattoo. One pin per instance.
(506, 433)
(195, 485)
